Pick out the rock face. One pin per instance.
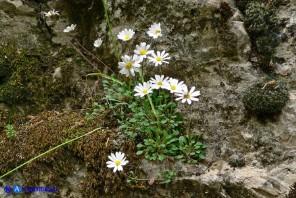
(209, 46)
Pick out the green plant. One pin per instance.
(190, 148)
(160, 146)
(10, 131)
(96, 109)
(167, 175)
(132, 177)
(160, 137)
(266, 97)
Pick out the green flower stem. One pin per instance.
(152, 107)
(150, 101)
(110, 30)
(48, 151)
(141, 75)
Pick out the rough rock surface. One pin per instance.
(211, 53)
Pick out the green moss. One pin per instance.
(263, 26)
(13, 93)
(242, 4)
(260, 18)
(27, 78)
(267, 97)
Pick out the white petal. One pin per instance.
(113, 156)
(115, 169)
(111, 165)
(195, 99)
(197, 93)
(120, 168)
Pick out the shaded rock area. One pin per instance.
(247, 155)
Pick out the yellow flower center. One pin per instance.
(127, 37)
(159, 83)
(145, 91)
(187, 96)
(128, 65)
(157, 32)
(158, 58)
(143, 52)
(117, 162)
(173, 87)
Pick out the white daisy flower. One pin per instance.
(187, 96)
(126, 34)
(159, 58)
(98, 42)
(70, 28)
(143, 89)
(158, 81)
(143, 50)
(174, 85)
(117, 161)
(130, 65)
(51, 13)
(154, 30)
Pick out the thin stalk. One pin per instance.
(110, 30)
(105, 76)
(81, 54)
(93, 56)
(94, 74)
(150, 101)
(48, 151)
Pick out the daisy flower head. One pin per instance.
(187, 96)
(70, 28)
(126, 34)
(154, 31)
(51, 13)
(98, 42)
(174, 85)
(143, 50)
(130, 65)
(158, 81)
(159, 58)
(116, 161)
(143, 89)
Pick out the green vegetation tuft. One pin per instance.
(27, 80)
(263, 26)
(267, 97)
(10, 132)
(157, 138)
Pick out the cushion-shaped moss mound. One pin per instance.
(266, 97)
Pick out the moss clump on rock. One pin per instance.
(262, 25)
(27, 78)
(260, 18)
(242, 4)
(267, 97)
